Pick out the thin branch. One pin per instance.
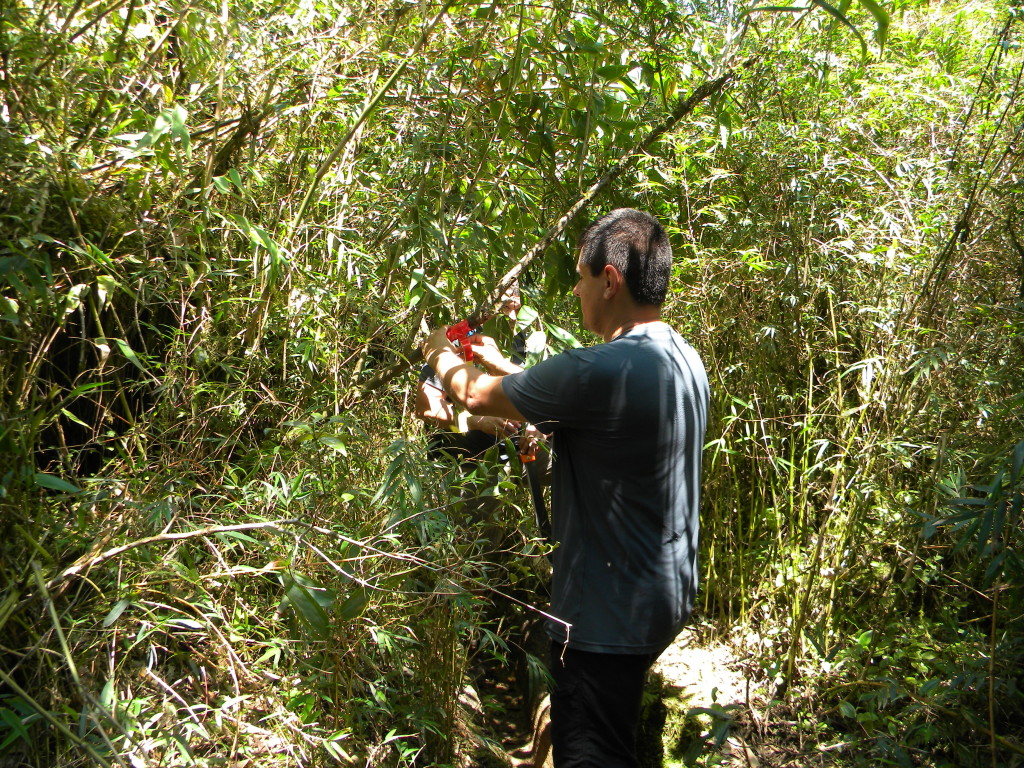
(85, 563)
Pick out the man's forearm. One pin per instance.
(453, 372)
(478, 392)
(461, 381)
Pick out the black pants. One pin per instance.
(595, 707)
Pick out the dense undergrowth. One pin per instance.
(222, 225)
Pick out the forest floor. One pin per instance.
(708, 705)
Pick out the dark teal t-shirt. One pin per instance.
(628, 420)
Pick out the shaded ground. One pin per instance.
(708, 705)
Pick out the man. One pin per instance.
(627, 419)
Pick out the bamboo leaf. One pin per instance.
(176, 118)
(105, 287)
(310, 601)
(336, 443)
(995, 567)
(354, 605)
(54, 483)
(129, 353)
(116, 611)
(15, 726)
(882, 20)
(840, 17)
(73, 418)
(612, 71)
(1017, 463)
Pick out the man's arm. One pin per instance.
(478, 392)
(434, 408)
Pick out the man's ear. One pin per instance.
(613, 281)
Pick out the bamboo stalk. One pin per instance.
(993, 743)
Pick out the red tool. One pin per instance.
(462, 332)
(459, 334)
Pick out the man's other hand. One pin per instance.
(495, 425)
(437, 340)
(485, 349)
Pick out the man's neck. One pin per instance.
(639, 315)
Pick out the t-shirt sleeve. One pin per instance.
(547, 393)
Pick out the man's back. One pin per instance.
(628, 418)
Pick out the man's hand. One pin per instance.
(437, 341)
(530, 440)
(467, 385)
(495, 425)
(491, 357)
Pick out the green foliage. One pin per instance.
(220, 221)
(855, 375)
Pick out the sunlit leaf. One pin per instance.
(882, 20)
(105, 287)
(334, 442)
(116, 611)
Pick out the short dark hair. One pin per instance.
(635, 244)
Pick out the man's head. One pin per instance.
(636, 245)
